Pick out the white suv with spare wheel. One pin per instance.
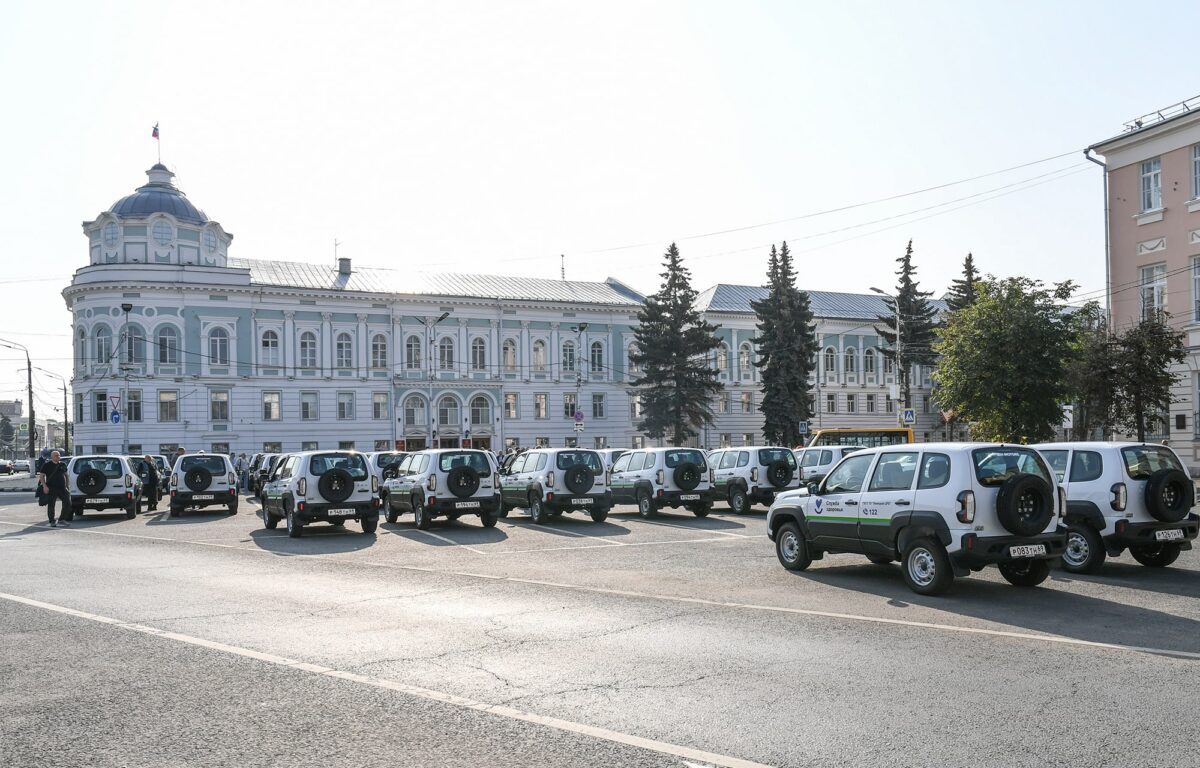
(748, 476)
(321, 486)
(1134, 496)
(200, 480)
(443, 482)
(104, 482)
(941, 509)
(654, 478)
(551, 481)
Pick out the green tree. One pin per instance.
(910, 327)
(1092, 372)
(1004, 358)
(673, 342)
(7, 434)
(787, 345)
(1145, 354)
(962, 292)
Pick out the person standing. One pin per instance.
(240, 467)
(53, 480)
(150, 483)
(178, 454)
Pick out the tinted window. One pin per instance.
(473, 459)
(214, 464)
(384, 460)
(935, 471)
(894, 472)
(353, 463)
(826, 458)
(1085, 466)
(768, 455)
(568, 459)
(728, 459)
(1141, 461)
(848, 476)
(683, 456)
(743, 458)
(1058, 462)
(110, 466)
(622, 463)
(811, 459)
(995, 465)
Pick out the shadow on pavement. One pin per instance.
(688, 520)
(191, 517)
(452, 531)
(1172, 580)
(570, 526)
(318, 539)
(31, 528)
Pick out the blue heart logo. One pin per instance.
(817, 505)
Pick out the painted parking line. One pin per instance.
(700, 530)
(556, 529)
(451, 542)
(606, 545)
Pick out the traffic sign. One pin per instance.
(578, 417)
(802, 427)
(116, 402)
(115, 417)
(908, 416)
(579, 426)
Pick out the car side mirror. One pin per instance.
(814, 489)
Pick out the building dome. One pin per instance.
(158, 196)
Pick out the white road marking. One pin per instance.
(451, 542)
(569, 726)
(1057, 639)
(606, 545)
(698, 530)
(565, 532)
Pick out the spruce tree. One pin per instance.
(963, 293)
(674, 342)
(787, 351)
(911, 343)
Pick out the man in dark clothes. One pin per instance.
(53, 480)
(150, 487)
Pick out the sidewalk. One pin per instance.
(21, 482)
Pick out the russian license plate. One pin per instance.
(340, 512)
(203, 497)
(1173, 534)
(689, 497)
(582, 501)
(1027, 550)
(105, 501)
(466, 505)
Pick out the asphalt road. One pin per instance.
(207, 640)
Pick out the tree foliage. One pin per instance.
(7, 432)
(963, 292)
(787, 345)
(910, 328)
(1004, 358)
(673, 342)
(1091, 373)
(1144, 355)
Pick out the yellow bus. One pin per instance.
(862, 437)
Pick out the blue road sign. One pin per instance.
(802, 427)
(115, 417)
(908, 416)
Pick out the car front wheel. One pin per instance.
(927, 567)
(295, 528)
(791, 548)
(420, 515)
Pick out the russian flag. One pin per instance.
(154, 133)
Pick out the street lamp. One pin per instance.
(431, 411)
(901, 366)
(29, 384)
(125, 365)
(66, 412)
(581, 359)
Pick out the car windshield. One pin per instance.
(353, 463)
(995, 465)
(568, 459)
(675, 458)
(473, 459)
(1058, 463)
(1141, 461)
(109, 465)
(768, 455)
(214, 464)
(385, 460)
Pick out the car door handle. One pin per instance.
(851, 503)
(903, 503)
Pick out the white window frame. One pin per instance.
(1152, 281)
(1196, 172)
(412, 353)
(379, 351)
(215, 398)
(1151, 198)
(315, 414)
(570, 405)
(268, 347)
(379, 405)
(272, 405)
(414, 411)
(171, 403)
(480, 416)
(310, 357)
(343, 350)
(514, 400)
(598, 405)
(345, 405)
(218, 347)
(478, 354)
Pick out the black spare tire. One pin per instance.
(687, 476)
(463, 482)
(197, 478)
(1169, 495)
(92, 481)
(579, 478)
(1025, 505)
(779, 474)
(335, 485)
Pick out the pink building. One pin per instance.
(1153, 219)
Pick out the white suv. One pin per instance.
(550, 481)
(448, 482)
(1122, 496)
(942, 509)
(380, 461)
(816, 462)
(203, 480)
(746, 476)
(321, 486)
(104, 482)
(654, 478)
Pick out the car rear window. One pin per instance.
(385, 460)
(320, 463)
(568, 459)
(768, 455)
(675, 458)
(473, 459)
(995, 465)
(214, 464)
(109, 465)
(1141, 461)
(1086, 466)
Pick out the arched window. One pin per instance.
(597, 357)
(568, 356)
(481, 411)
(414, 411)
(412, 353)
(218, 347)
(446, 354)
(539, 355)
(723, 358)
(744, 359)
(634, 368)
(830, 360)
(447, 412)
(168, 345)
(103, 344)
(869, 361)
(135, 345)
(308, 350)
(343, 351)
(379, 351)
(851, 360)
(81, 348)
(509, 352)
(478, 355)
(269, 349)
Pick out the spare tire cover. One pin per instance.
(579, 478)
(335, 485)
(1169, 495)
(463, 481)
(197, 478)
(779, 474)
(1025, 505)
(92, 480)
(687, 476)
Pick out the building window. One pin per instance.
(481, 411)
(509, 353)
(568, 356)
(79, 407)
(747, 402)
(851, 360)
(308, 445)
(345, 405)
(414, 411)
(890, 404)
(379, 351)
(926, 403)
(597, 406)
(830, 403)
(1196, 172)
(539, 356)
(103, 344)
(448, 412)
(446, 354)
(1196, 287)
(478, 355)
(272, 447)
(269, 355)
(869, 361)
(345, 445)
(218, 347)
(851, 404)
(747, 438)
(133, 405)
(310, 405)
(599, 443)
(308, 350)
(722, 358)
(135, 449)
(636, 369)
(99, 407)
(540, 407)
(723, 402)
(570, 405)
(81, 349)
(870, 403)
(218, 405)
(744, 361)
(597, 358)
(1153, 281)
(830, 360)
(168, 405)
(343, 351)
(510, 405)
(270, 406)
(412, 353)
(1152, 185)
(635, 407)
(889, 365)
(541, 442)
(379, 405)
(135, 345)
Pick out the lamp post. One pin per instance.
(429, 326)
(66, 412)
(127, 352)
(29, 386)
(901, 367)
(580, 361)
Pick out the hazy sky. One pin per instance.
(494, 136)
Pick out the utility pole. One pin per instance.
(29, 390)
(66, 412)
(125, 364)
(580, 360)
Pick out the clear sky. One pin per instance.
(495, 136)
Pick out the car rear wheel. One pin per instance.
(1025, 573)
(233, 508)
(1085, 551)
(421, 515)
(537, 512)
(1156, 555)
(295, 528)
(791, 548)
(599, 515)
(176, 510)
(270, 522)
(701, 510)
(645, 504)
(369, 524)
(489, 519)
(927, 567)
(391, 514)
(135, 508)
(737, 501)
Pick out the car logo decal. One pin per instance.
(817, 506)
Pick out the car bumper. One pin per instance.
(196, 498)
(977, 551)
(766, 495)
(681, 498)
(472, 506)
(566, 502)
(315, 512)
(1143, 534)
(102, 501)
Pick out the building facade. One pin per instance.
(1152, 182)
(193, 347)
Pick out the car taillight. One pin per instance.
(374, 484)
(174, 481)
(1120, 497)
(712, 476)
(302, 486)
(658, 477)
(754, 474)
(550, 479)
(433, 482)
(966, 507)
(128, 480)
(231, 478)
(1062, 501)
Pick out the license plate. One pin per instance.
(341, 512)
(582, 501)
(466, 505)
(1027, 550)
(1173, 534)
(689, 497)
(105, 501)
(203, 497)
